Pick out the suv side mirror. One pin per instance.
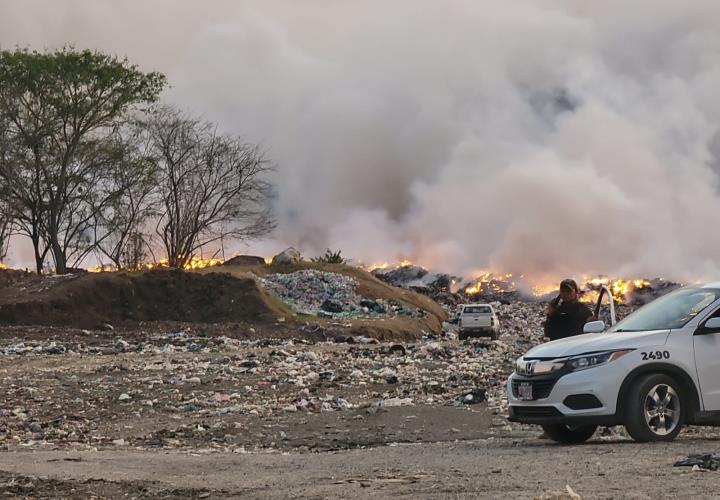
(595, 327)
(711, 326)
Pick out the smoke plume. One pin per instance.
(544, 137)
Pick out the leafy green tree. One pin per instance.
(58, 113)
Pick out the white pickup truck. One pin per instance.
(478, 319)
(653, 372)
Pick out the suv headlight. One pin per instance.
(586, 361)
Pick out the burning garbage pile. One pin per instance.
(505, 288)
(508, 288)
(438, 286)
(329, 294)
(416, 278)
(633, 292)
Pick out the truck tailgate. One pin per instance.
(476, 320)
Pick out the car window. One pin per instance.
(671, 311)
(477, 310)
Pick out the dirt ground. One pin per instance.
(500, 467)
(161, 413)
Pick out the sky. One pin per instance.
(547, 137)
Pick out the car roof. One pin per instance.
(475, 304)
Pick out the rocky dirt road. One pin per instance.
(506, 467)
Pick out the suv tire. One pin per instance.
(653, 409)
(569, 434)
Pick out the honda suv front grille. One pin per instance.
(541, 389)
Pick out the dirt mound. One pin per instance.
(120, 298)
(368, 287)
(9, 277)
(245, 260)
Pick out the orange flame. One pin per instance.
(503, 283)
(194, 263)
(381, 266)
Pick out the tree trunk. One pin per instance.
(60, 258)
(39, 261)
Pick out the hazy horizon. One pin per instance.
(546, 137)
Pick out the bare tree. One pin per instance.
(137, 251)
(119, 229)
(211, 186)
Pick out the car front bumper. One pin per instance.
(585, 396)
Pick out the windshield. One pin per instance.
(673, 310)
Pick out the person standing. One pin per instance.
(566, 315)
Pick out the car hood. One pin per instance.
(595, 342)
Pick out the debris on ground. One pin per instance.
(707, 461)
(229, 389)
(472, 397)
(568, 494)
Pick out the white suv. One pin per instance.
(653, 372)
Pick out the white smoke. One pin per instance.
(546, 137)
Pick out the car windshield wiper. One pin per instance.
(624, 330)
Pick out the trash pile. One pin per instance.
(327, 294)
(193, 390)
(416, 278)
(506, 289)
(650, 291)
(187, 389)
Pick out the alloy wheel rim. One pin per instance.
(662, 409)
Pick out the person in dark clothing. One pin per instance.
(566, 316)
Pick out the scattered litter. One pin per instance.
(568, 494)
(472, 397)
(707, 461)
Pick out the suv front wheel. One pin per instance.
(653, 409)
